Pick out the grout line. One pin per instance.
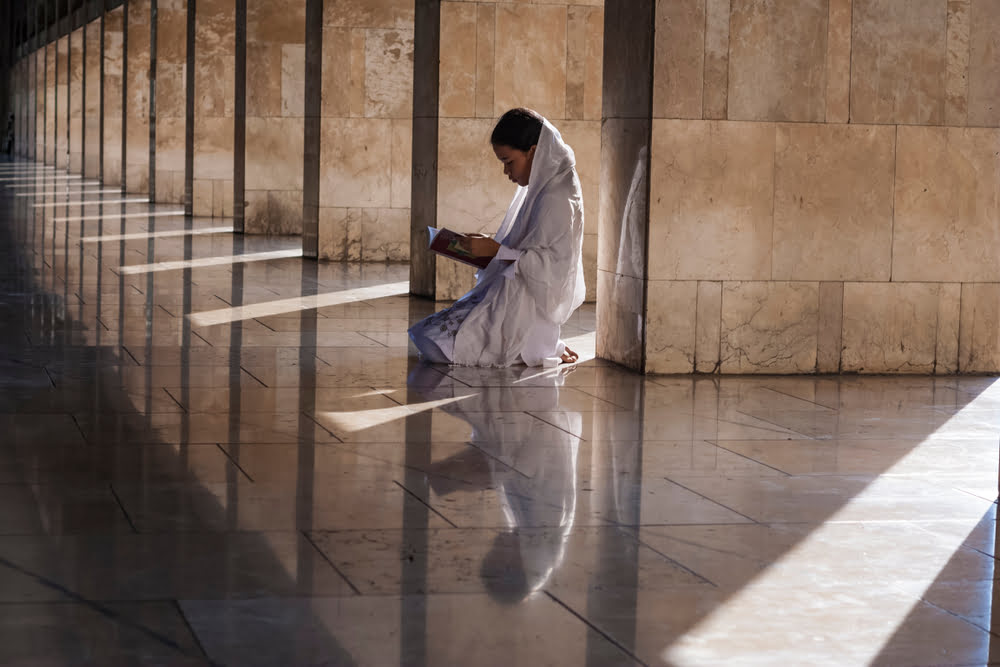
(595, 628)
(122, 506)
(424, 503)
(235, 462)
(336, 569)
(194, 635)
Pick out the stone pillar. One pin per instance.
(60, 105)
(275, 95)
(137, 94)
(76, 65)
(367, 101)
(495, 56)
(822, 190)
(49, 105)
(215, 45)
(92, 103)
(112, 122)
(171, 56)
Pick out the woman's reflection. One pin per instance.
(538, 500)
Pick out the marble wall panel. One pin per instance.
(61, 104)
(51, 104)
(457, 96)
(275, 127)
(671, 316)
(899, 62)
(947, 220)
(389, 73)
(949, 318)
(769, 327)
(533, 54)
(38, 120)
(777, 60)
(76, 101)
(621, 319)
(355, 163)
(679, 59)
(715, 104)
(340, 234)
(829, 334)
(402, 163)
(984, 63)
(711, 200)
(214, 92)
(171, 100)
(833, 202)
(137, 124)
(708, 327)
(956, 110)
(368, 13)
(113, 59)
(838, 63)
(890, 327)
(979, 340)
(584, 34)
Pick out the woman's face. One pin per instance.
(516, 163)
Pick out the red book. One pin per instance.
(448, 243)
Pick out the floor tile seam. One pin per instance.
(715, 502)
(785, 429)
(244, 369)
(966, 621)
(130, 355)
(425, 504)
(633, 532)
(365, 335)
(93, 605)
(322, 554)
(533, 415)
(234, 462)
(194, 634)
(208, 342)
(799, 398)
(303, 413)
(749, 458)
(594, 627)
(121, 506)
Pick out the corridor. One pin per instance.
(217, 452)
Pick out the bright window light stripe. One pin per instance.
(156, 235)
(18, 179)
(297, 304)
(342, 423)
(65, 186)
(208, 261)
(118, 216)
(68, 193)
(98, 202)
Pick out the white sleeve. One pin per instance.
(509, 255)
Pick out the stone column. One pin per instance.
(50, 103)
(92, 103)
(215, 45)
(112, 121)
(275, 97)
(365, 148)
(495, 56)
(60, 105)
(171, 56)
(137, 94)
(822, 190)
(76, 65)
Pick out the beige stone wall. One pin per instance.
(171, 73)
(113, 24)
(365, 154)
(499, 55)
(275, 128)
(214, 94)
(50, 83)
(93, 101)
(824, 190)
(61, 106)
(76, 101)
(137, 111)
(38, 125)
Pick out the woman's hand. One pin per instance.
(480, 245)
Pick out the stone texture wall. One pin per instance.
(76, 66)
(92, 128)
(113, 25)
(61, 104)
(50, 103)
(137, 112)
(275, 129)
(499, 55)
(214, 93)
(365, 154)
(823, 188)
(171, 72)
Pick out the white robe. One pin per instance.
(516, 311)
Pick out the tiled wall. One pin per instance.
(92, 128)
(499, 55)
(214, 94)
(274, 119)
(171, 97)
(76, 66)
(824, 187)
(113, 24)
(51, 103)
(137, 111)
(39, 112)
(60, 117)
(366, 130)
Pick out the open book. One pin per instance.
(448, 243)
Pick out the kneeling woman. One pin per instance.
(535, 281)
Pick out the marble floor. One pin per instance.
(215, 452)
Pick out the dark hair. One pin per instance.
(518, 128)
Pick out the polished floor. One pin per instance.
(215, 452)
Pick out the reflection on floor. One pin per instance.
(211, 460)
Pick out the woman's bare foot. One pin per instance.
(570, 357)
